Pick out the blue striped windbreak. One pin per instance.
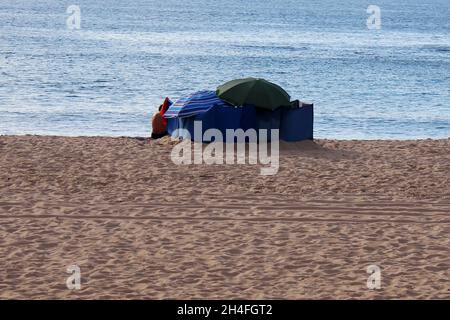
(195, 103)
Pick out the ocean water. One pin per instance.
(107, 77)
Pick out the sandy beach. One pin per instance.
(140, 227)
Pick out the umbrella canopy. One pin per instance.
(196, 103)
(252, 91)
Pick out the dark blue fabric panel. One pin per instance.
(297, 124)
(266, 119)
(248, 118)
(227, 118)
(172, 125)
(294, 124)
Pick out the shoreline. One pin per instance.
(148, 137)
(140, 227)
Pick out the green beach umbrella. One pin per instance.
(253, 91)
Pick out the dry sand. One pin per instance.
(140, 227)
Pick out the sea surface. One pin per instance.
(107, 77)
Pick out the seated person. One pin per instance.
(159, 123)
